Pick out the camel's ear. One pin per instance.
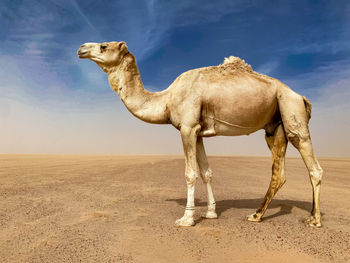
(122, 45)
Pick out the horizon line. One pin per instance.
(156, 155)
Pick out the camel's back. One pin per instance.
(232, 74)
(230, 95)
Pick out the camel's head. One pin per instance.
(106, 54)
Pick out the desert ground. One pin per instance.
(123, 209)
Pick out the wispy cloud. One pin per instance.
(51, 102)
(311, 83)
(82, 14)
(152, 29)
(268, 68)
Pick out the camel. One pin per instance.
(225, 100)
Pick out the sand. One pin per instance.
(123, 209)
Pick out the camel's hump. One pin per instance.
(237, 63)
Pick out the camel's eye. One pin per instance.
(103, 47)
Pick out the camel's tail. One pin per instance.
(307, 108)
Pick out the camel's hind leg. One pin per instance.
(295, 112)
(315, 173)
(278, 145)
(206, 175)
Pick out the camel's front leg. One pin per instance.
(206, 175)
(189, 140)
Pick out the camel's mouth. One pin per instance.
(83, 54)
(90, 51)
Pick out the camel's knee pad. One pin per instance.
(207, 176)
(191, 177)
(316, 176)
(293, 138)
(297, 138)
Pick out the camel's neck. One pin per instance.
(126, 81)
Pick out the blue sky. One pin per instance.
(48, 93)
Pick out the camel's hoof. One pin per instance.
(313, 222)
(254, 218)
(185, 221)
(210, 214)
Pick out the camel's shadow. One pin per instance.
(285, 206)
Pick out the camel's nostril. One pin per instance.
(83, 45)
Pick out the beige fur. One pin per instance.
(229, 99)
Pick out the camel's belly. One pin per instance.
(223, 128)
(237, 114)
